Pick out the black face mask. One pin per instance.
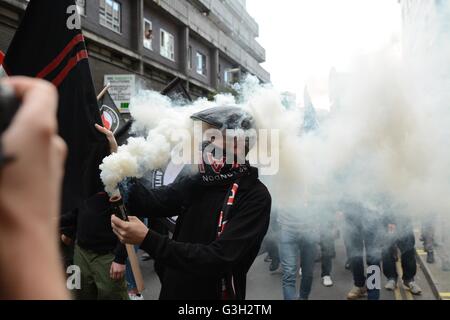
(215, 170)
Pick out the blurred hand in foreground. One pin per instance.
(30, 191)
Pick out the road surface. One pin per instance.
(263, 285)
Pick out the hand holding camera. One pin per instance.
(30, 186)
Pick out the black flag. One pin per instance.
(111, 117)
(113, 120)
(49, 44)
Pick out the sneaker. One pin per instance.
(414, 288)
(136, 297)
(300, 272)
(327, 281)
(357, 293)
(391, 285)
(430, 257)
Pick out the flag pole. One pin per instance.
(103, 92)
(135, 268)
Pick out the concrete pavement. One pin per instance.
(438, 279)
(262, 285)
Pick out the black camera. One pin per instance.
(9, 104)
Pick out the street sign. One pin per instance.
(122, 88)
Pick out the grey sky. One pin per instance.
(305, 38)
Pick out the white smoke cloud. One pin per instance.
(161, 125)
(388, 140)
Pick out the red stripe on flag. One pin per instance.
(57, 61)
(81, 55)
(2, 57)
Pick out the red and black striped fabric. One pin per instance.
(48, 46)
(227, 281)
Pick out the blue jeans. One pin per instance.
(294, 245)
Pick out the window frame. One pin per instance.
(148, 21)
(103, 17)
(229, 75)
(204, 64)
(161, 45)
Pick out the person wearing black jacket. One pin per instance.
(399, 238)
(224, 214)
(98, 253)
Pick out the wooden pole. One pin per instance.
(103, 92)
(136, 268)
(119, 208)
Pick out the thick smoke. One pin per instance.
(160, 125)
(388, 144)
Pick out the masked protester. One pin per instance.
(224, 214)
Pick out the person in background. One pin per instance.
(427, 237)
(363, 229)
(400, 236)
(133, 292)
(298, 240)
(98, 253)
(271, 243)
(328, 234)
(341, 218)
(30, 190)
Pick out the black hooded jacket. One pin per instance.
(196, 259)
(90, 226)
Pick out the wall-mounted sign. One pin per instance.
(122, 88)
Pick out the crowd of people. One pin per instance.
(379, 239)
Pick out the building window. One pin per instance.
(148, 34)
(226, 77)
(231, 76)
(167, 45)
(81, 6)
(190, 57)
(111, 15)
(201, 64)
